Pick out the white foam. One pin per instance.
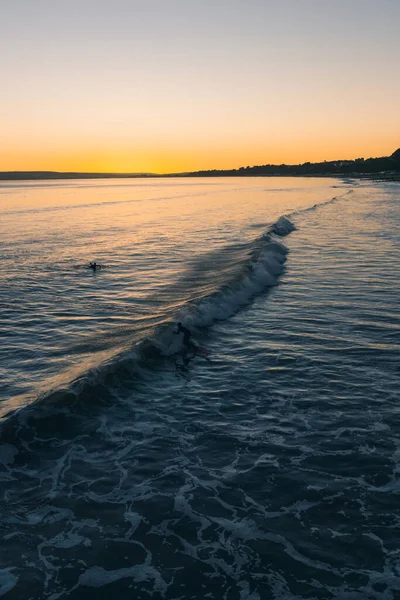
(283, 226)
(98, 577)
(259, 272)
(263, 272)
(7, 581)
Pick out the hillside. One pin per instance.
(384, 167)
(387, 165)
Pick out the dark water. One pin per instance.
(270, 468)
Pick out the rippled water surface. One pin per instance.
(268, 468)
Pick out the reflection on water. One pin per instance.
(158, 240)
(268, 469)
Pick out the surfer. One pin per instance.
(186, 337)
(94, 266)
(191, 346)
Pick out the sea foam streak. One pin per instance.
(261, 270)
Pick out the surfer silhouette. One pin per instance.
(94, 266)
(186, 337)
(191, 346)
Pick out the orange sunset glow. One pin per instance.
(179, 86)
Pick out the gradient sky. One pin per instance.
(177, 85)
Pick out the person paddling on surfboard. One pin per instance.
(94, 266)
(186, 337)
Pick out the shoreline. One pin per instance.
(91, 176)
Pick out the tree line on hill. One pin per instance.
(387, 166)
(359, 166)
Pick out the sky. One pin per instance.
(180, 85)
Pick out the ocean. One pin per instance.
(265, 467)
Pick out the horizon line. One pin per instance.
(132, 174)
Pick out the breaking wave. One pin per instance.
(259, 266)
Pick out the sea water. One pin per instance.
(132, 468)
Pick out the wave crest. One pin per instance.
(259, 269)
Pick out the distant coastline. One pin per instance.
(42, 175)
(384, 168)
